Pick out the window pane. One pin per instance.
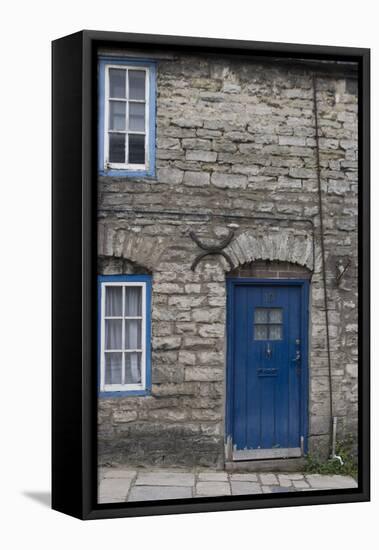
(113, 301)
(117, 115)
(113, 368)
(260, 332)
(117, 79)
(113, 334)
(136, 149)
(132, 368)
(133, 334)
(275, 316)
(137, 84)
(133, 301)
(275, 332)
(137, 117)
(260, 315)
(117, 148)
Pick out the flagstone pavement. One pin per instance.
(134, 485)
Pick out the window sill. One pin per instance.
(130, 393)
(115, 173)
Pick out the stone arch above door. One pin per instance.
(282, 245)
(267, 269)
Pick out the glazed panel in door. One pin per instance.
(267, 371)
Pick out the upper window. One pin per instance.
(124, 334)
(127, 117)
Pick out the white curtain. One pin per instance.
(113, 334)
(133, 308)
(113, 368)
(132, 368)
(113, 301)
(133, 301)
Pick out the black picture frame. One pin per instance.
(74, 274)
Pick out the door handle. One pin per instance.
(297, 360)
(297, 356)
(268, 351)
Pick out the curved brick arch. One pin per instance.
(283, 246)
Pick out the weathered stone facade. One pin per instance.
(235, 149)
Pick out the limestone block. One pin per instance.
(170, 175)
(201, 156)
(206, 374)
(196, 179)
(166, 342)
(124, 416)
(231, 181)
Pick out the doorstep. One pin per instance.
(268, 465)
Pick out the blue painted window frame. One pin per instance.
(303, 284)
(131, 62)
(126, 278)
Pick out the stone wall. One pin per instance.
(235, 150)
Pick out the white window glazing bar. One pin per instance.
(119, 317)
(122, 350)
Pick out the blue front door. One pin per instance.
(267, 363)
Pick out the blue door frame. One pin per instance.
(231, 401)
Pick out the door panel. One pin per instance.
(266, 370)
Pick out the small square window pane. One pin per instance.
(117, 148)
(117, 115)
(117, 80)
(275, 332)
(133, 301)
(113, 368)
(132, 368)
(137, 117)
(260, 332)
(113, 334)
(137, 84)
(260, 315)
(113, 301)
(275, 315)
(133, 333)
(136, 149)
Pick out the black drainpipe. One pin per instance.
(322, 244)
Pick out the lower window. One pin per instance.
(124, 323)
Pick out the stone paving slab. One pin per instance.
(166, 479)
(300, 484)
(268, 479)
(212, 488)
(213, 476)
(277, 489)
(243, 477)
(118, 473)
(318, 481)
(114, 490)
(245, 488)
(158, 492)
(131, 485)
(294, 476)
(284, 481)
